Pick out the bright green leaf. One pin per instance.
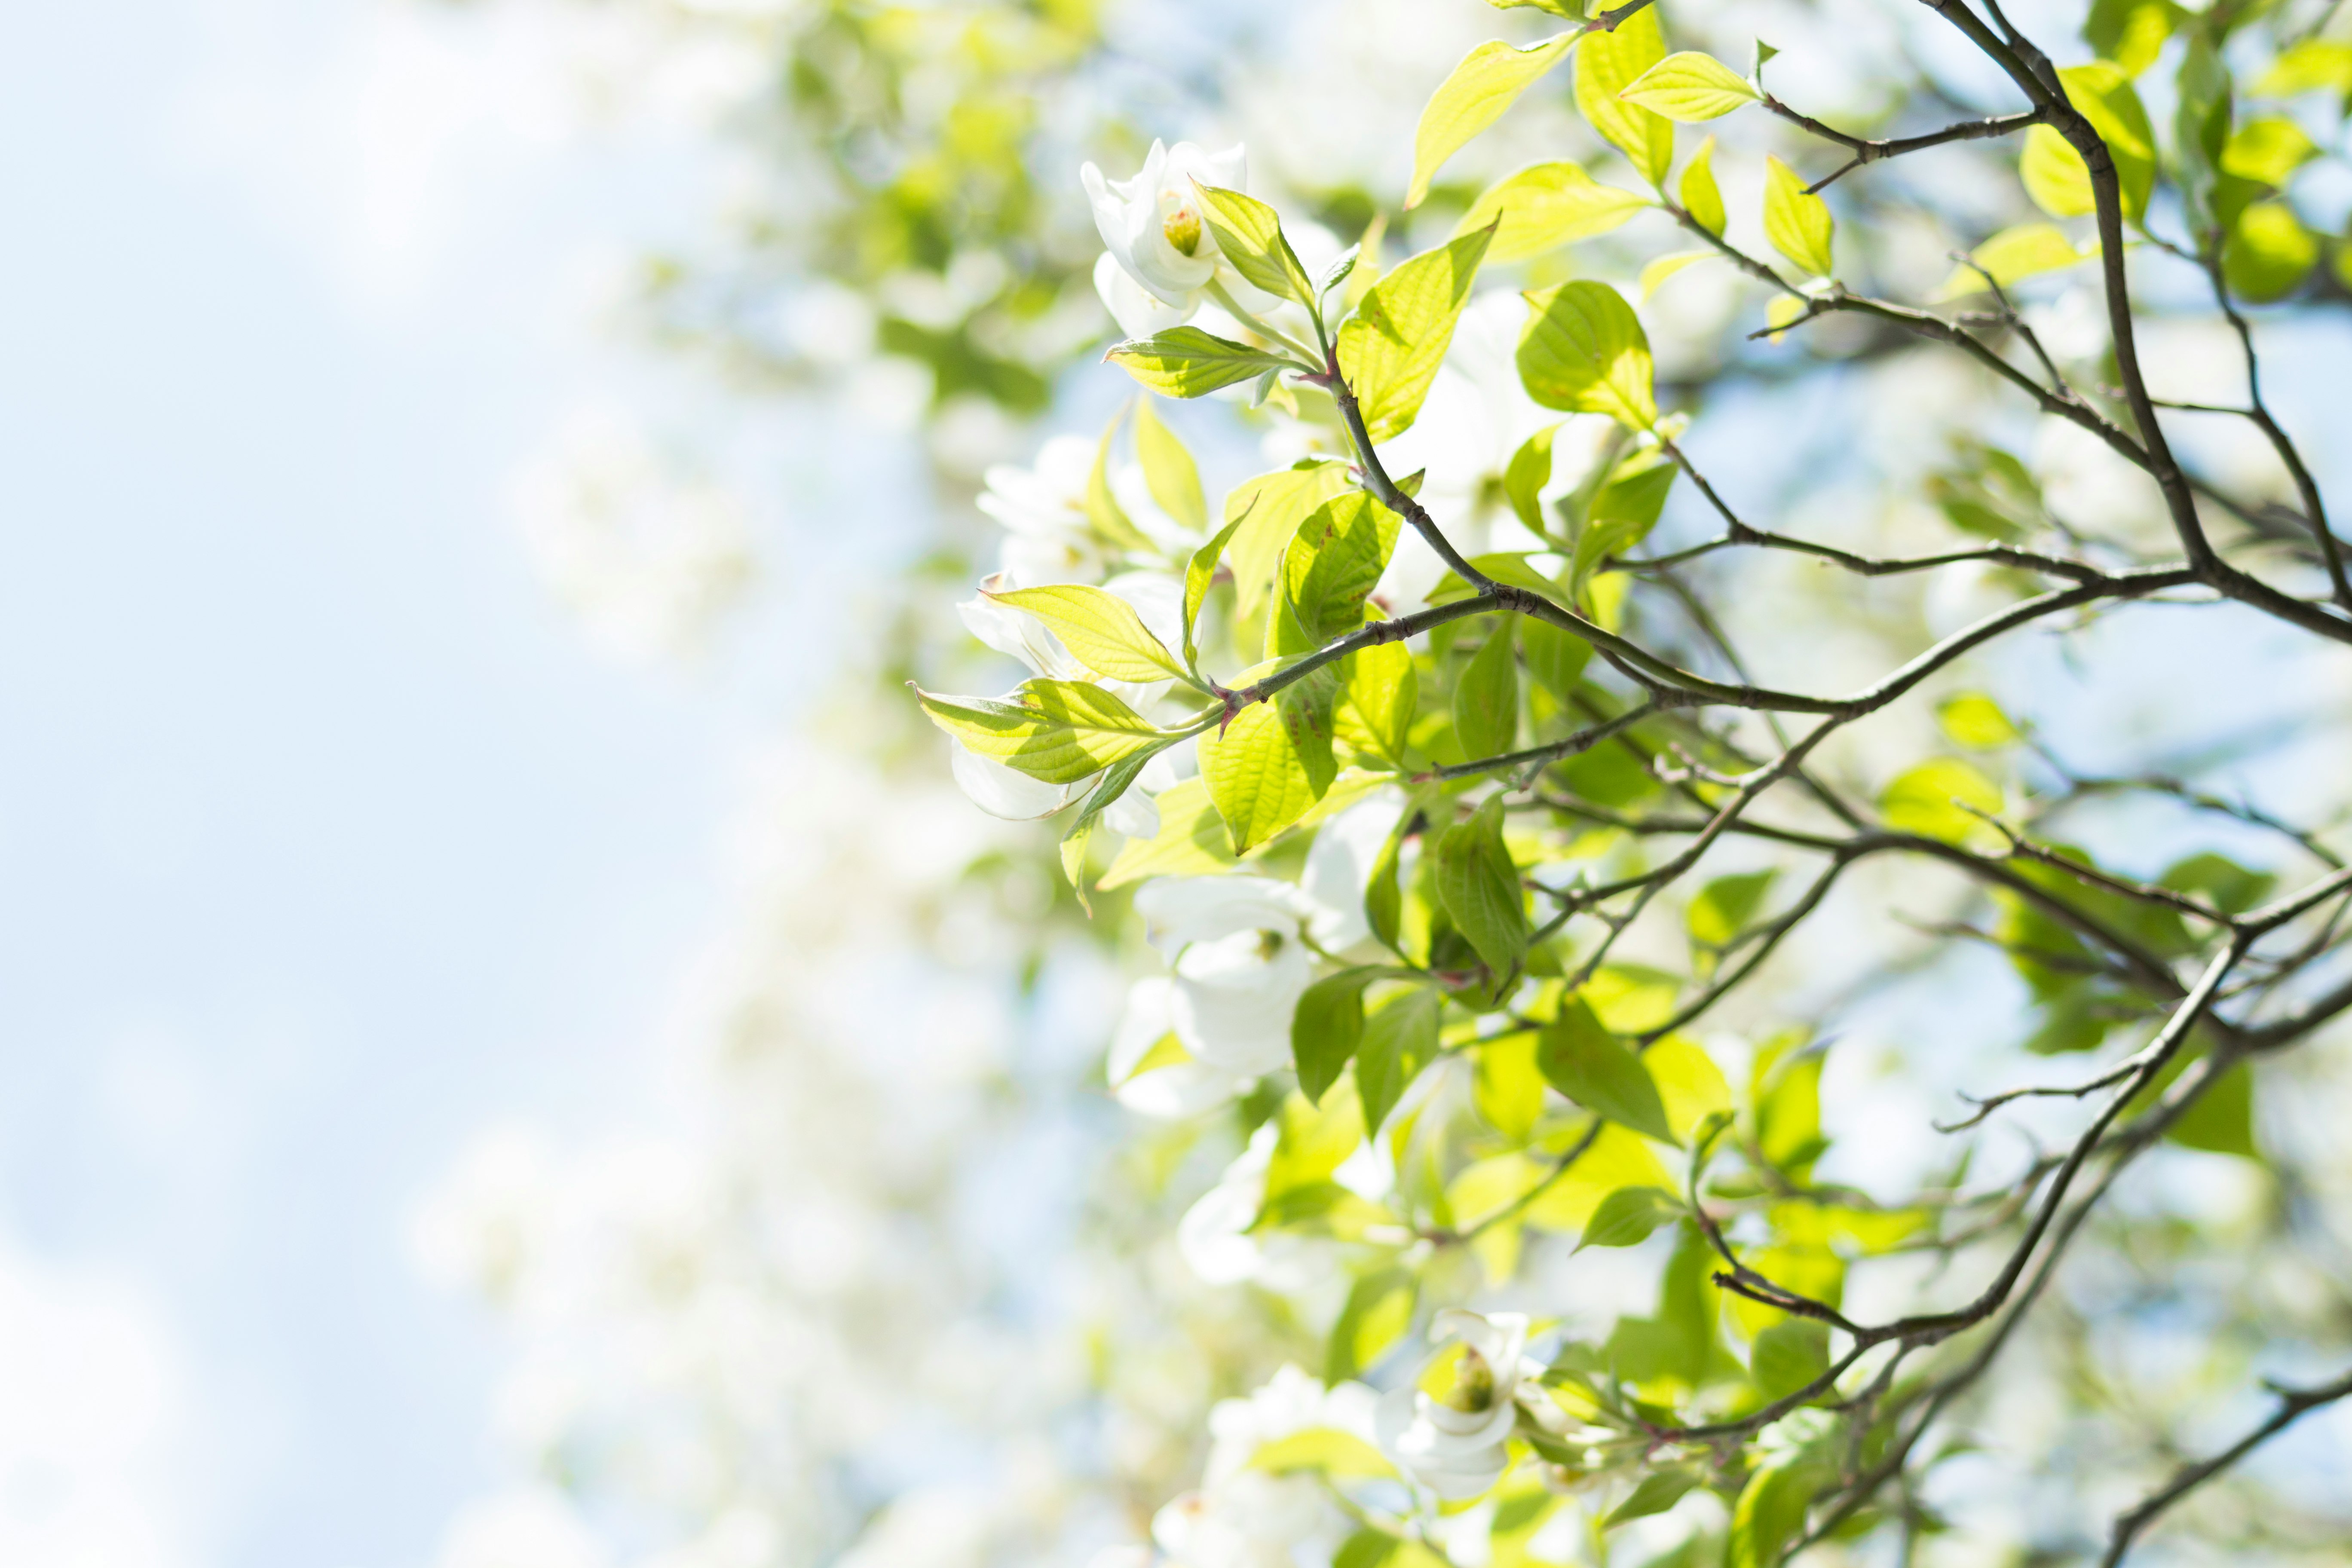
(1269, 509)
(1527, 474)
(2309, 66)
(2053, 173)
(1057, 730)
(1192, 840)
(2023, 251)
(1199, 572)
(1378, 1310)
(1544, 206)
(1934, 799)
(1391, 348)
(1399, 1038)
(1488, 80)
(1605, 63)
(1659, 1490)
(1689, 86)
(1379, 690)
(2268, 253)
(1798, 224)
(1326, 1028)
(1100, 629)
(1975, 721)
(1249, 236)
(1789, 1355)
(1185, 362)
(1508, 1086)
(1583, 350)
(1169, 472)
(1273, 762)
(2268, 149)
(1334, 562)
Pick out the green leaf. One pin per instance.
(1508, 1086)
(1400, 1040)
(1583, 350)
(1249, 236)
(1487, 697)
(1544, 206)
(1117, 779)
(2131, 33)
(1201, 571)
(1169, 472)
(1391, 348)
(1659, 1490)
(1605, 64)
(1690, 86)
(1192, 840)
(2023, 251)
(1788, 1114)
(1185, 362)
(1488, 80)
(1592, 1067)
(2228, 886)
(1725, 906)
(2053, 173)
(2268, 149)
(1627, 1217)
(1525, 477)
(1273, 762)
(1789, 1355)
(2268, 253)
(2201, 128)
(1323, 1449)
(1100, 629)
(2311, 65)
(1688, 1081)
(1975, 721)
(1378, 689)
(1378, 1313)
(1104, 513)
(1325, 1028)
(1771, 1508)
(1929, 800)
(1057, 730)
(1334, 562)
(1555, 658)
(1480, 887)
(1621, 515)
(1798, 224)
(1702, 197)
(1269, 509)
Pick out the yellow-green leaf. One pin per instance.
(1689, 86)
(1185, 362)
(1660, 269)
(1379, 690)
(1723, 908)
(1702, 197)
(1199, 572)
(1249, 236)
(1488, 80)
(1975, 721)
(1273, 762)
(1936, 800)
(1545, 205)
(1269, 509)
(1391, 348)
(2021, 252)
(1592, 1067)
(2309, 66)
(1057, 730)
(1688, 1081)
(1101, 628)
(1169, 472)
(2267, 149)
(1192, 841)
(2053, 173)
(1605, 63)
(1798, 224)
(1628, 1216)
(1583, 350)
(2268, 252)
(1334, 562)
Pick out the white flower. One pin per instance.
(1180, 1086)
(1218, 1245)
(1239, 966)
(1241, 1518)
(1043, 510)
(1455, 1444)
(1138, 310)
(1341, 863)
(1152, 222)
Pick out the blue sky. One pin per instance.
(324, 837)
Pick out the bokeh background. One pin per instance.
(438, 1127)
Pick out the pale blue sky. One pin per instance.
(324, 837)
